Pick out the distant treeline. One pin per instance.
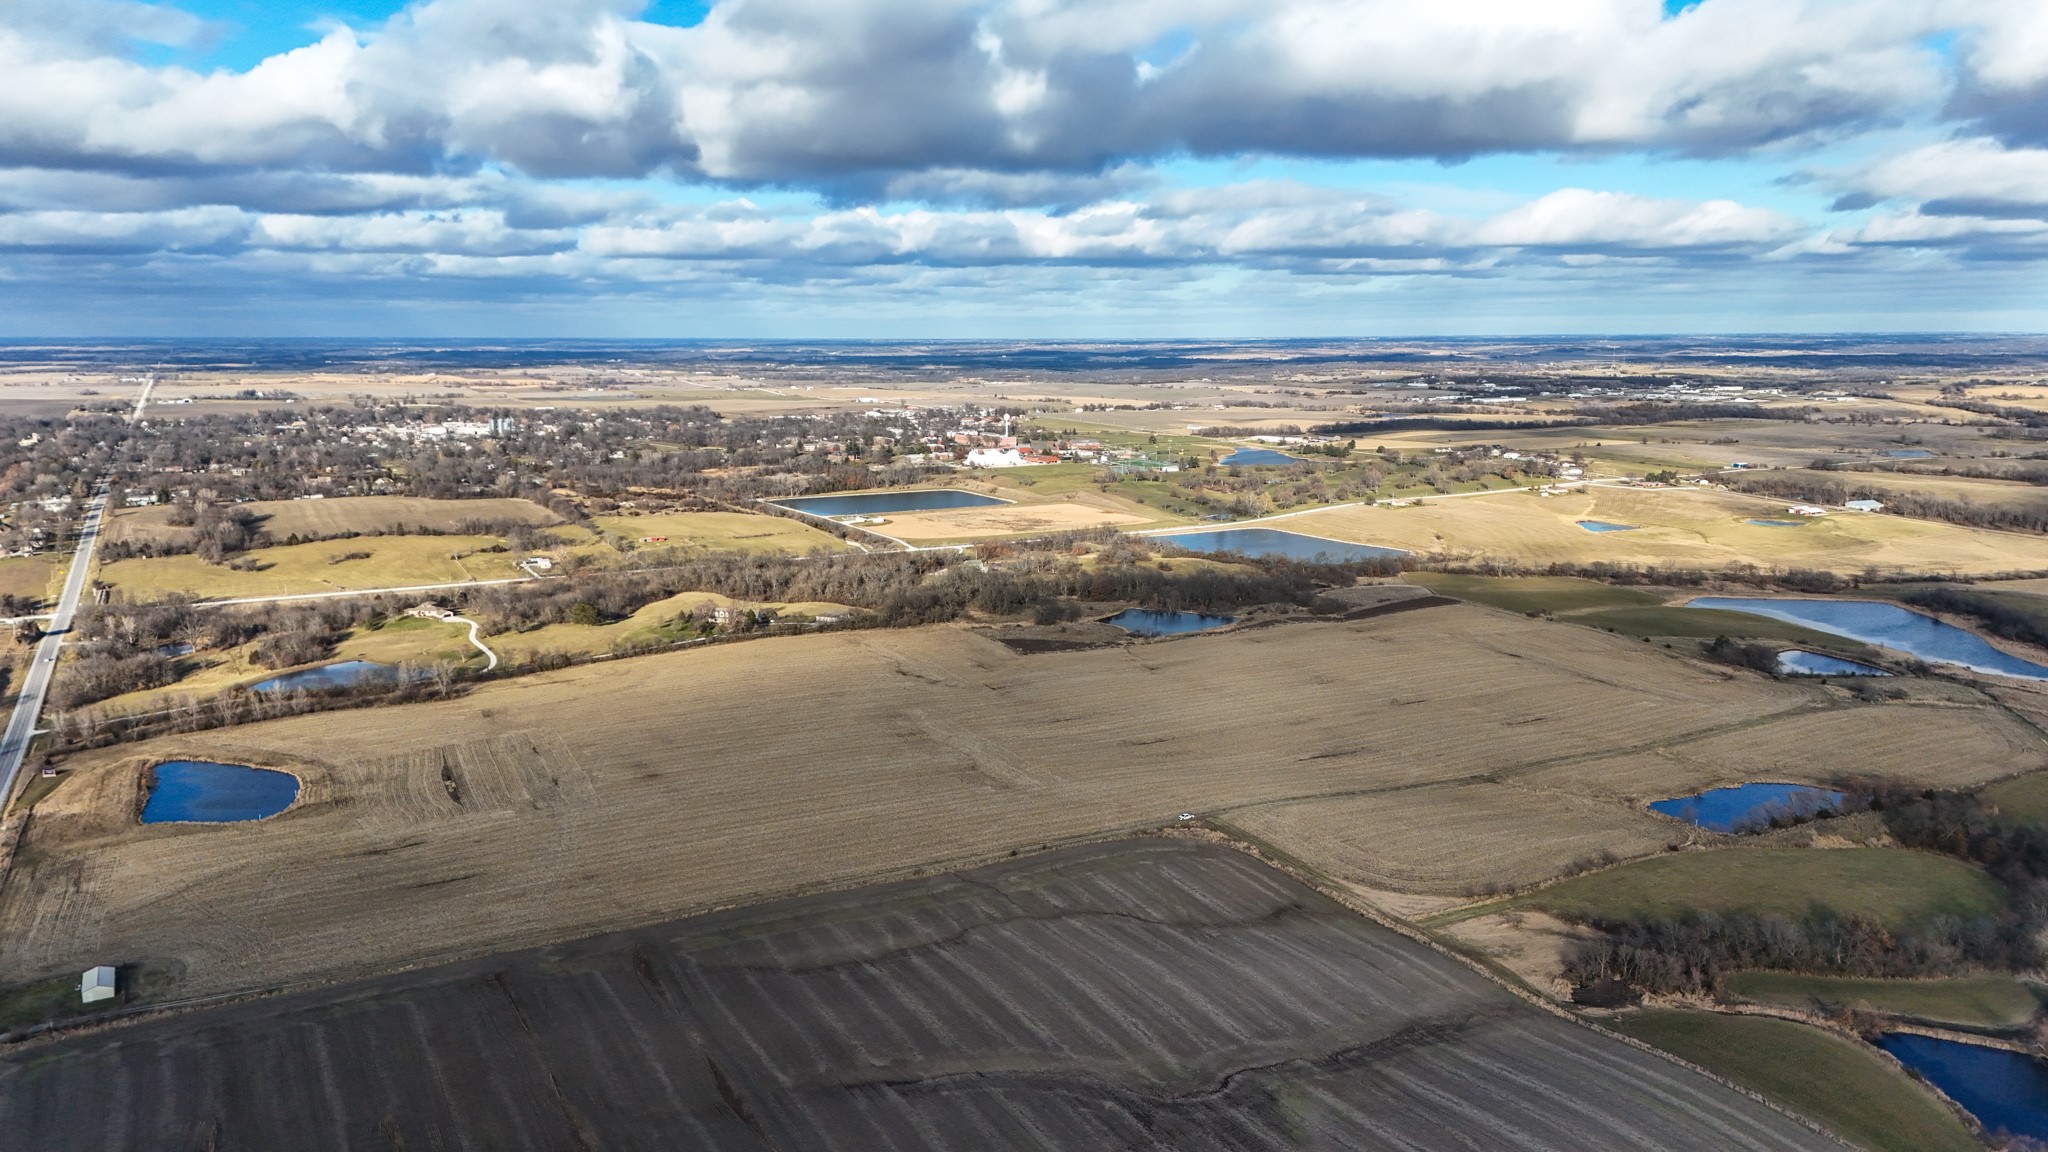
(1691, 953)
(1995, 615)
(1638, 413)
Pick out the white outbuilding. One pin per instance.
(98, 984)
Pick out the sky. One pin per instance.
(755, 169)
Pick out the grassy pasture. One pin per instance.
(282, 519)
(720, 532)
(667, 619)
(1996, 1001)
(1038, 519)
(2023, 799)
(393, 562)
(1900, 888)
(1673, 527)
(1679, 621)
(1837, 1081)
(1990, 493)
(30, 576)
(1535, 593)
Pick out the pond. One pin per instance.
(1800, 662)
(1887, 626)
(1269, 542)
(1604, 526)
(1257, 457)
(346, 674)
(200, 790)
(1748, 807)
(2003, 1090)
(1779, 523)
(1155, 622)
(876, 503)
(1909, 453)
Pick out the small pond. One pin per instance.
(1887, 626)
(1604, 526)
(200, 790)
(1154, 622)
(346, 674)
(1909, 453)
(1747, 807)
(1779, 523)
(2003, 1090)
(1800, 662)
(1256, 457)
(877, 503)
(1271, 542)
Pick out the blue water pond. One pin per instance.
(1747, 807)
(1779, 523)
(1887, 626)
(1269, 542)
(1909, 453)
(346, 674)
(200, 790)
(1800, 662)
(877, 503)
(1256, 457)
(1155, 622)
(1604, 526)
(2003, 1090)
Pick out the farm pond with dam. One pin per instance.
(1886, 626)
(1747, 806)
(201, 791)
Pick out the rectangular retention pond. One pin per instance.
(877, 503)
(1887, 626)
(1270, 542)
(1157, 622)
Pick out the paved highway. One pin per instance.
(22, 725)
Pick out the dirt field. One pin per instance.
(283, 519)
(1153, 995)
(1674, 527)
(1009, 520)
(664, 785)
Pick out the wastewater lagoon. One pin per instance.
(2003, 1090)
(1748, 807)
(206, 792)
(1269, 542)
(877, 503)
(1257, 457)
(1800, 662)
(1887, 626)
(1155, 622)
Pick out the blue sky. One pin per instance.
(1020, 167)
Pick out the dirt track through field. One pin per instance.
(601, 797)
(1147, 995)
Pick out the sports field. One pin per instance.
(1673, 527)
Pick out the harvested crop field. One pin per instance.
(663, 785)
(1675, 526)
(341, 515)
(719, 532)
(1154, 994)
(1007, 520)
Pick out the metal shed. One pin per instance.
(98, 984)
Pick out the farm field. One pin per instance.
(720, 532)
(663, 785)
(326, 566)
(309, 519)
(1149, 994)
(1673, 526)
(1900, 888)
(1020, 519)
(1830, 1078)
(1535, 593)
(1969, 1001)
(1990, 493)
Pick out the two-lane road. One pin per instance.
(22, 725)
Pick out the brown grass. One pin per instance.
(626, 793)
(1009, 520)
(318, 518)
